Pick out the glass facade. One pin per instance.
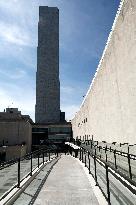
(56, 134)
(59, 130)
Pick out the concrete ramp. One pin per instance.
(67, 184)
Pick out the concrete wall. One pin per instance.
(16, 133)
(110, 104)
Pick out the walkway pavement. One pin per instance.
(67, 184)
(8, 175)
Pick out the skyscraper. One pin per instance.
(47, 108)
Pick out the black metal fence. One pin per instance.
(116, 187)
(124, 162)
(22, 168)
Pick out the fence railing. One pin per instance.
(12, 173)
(115, 186)
(124, 162)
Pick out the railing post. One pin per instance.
(92, 137)
(95, 167)
(31, 165)
(49, 156)
(43, 156)
(85, 160)
(97, 143)
(82, 156)
(38, 159)
(106, 157)
(128, 149)
(130, 173)
(115, 159)
(89, 165)
(107, 180)
(106, 149)
(91, 144)
(18, 173)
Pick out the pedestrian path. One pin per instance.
(9, 175)
(67, 184)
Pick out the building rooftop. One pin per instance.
(13, 114)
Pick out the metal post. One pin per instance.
(130, 173)
(115, 159)
(43, 157)
(108, 187)
(38, 159)
(92, 137)
(95, 167)
(106, 149)
(85, 160)
(31, 165)
(89, 166)
(97, 143)
(91, 144)
(18, 173)
(106, 158)
(80, 155)
(49, 156)
(128, 149)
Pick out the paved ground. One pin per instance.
(67, 184)
(8, 176)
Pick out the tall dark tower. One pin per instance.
(47, 108)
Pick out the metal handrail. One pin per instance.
(18, 161)
(15, 160)
(122, 178)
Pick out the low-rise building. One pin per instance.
(15, 129)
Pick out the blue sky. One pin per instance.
(84, 29)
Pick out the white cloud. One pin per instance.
(14, 34)
(15, 74)
(23, 98)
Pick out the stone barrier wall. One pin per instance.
(109, 109)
